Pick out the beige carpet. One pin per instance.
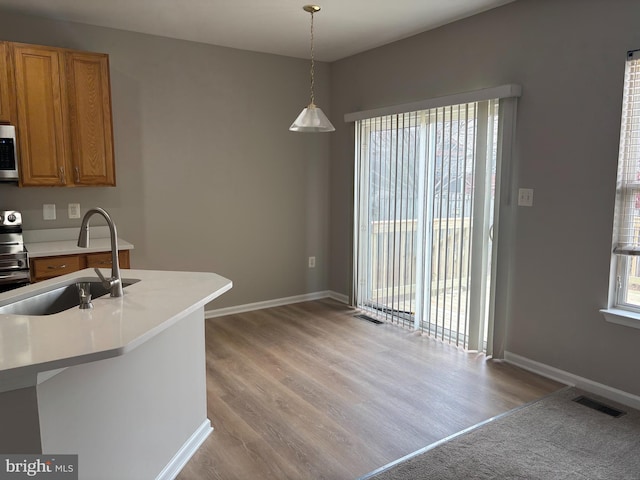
(553, 438)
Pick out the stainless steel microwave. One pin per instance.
(8, 156)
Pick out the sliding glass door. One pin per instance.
(425, 193)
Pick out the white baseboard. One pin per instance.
(567, 378)
(219, 312)
(338, 297)
(187, 450)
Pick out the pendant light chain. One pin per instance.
(312, 62)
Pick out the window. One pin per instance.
(624, 292)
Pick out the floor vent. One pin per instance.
(368, 318)
(601, 407)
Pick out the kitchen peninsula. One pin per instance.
(123, 385)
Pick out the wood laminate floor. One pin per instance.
(307, 391)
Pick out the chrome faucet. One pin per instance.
(114, 284)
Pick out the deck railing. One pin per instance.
(393, 258)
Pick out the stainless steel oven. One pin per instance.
(14, 260)
(8, 154)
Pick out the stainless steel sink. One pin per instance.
(56, 300)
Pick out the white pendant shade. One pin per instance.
(312, 119)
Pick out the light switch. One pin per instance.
(525, 197)
(49, 211)
(74, 210)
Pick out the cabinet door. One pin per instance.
(90, 118)
(103, 259)
(5, 88)
(49, 267)
(40, 95)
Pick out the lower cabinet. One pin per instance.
(43, 268)
(103, 259)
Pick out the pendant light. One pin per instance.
(312, 118)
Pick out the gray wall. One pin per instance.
(209, 177)
(568, 55)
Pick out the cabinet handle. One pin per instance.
(62, 180)
(104, 262)
(77, 174)
(56, 267)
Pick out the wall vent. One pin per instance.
(368, 318)
(596, 405)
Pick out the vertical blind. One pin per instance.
(424, 208)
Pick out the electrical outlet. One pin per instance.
(74, 210)
(312, 262)
(525, 197)
(49, 211)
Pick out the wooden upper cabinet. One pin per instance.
(40, 98)
(91, 129)
(64, 125)
(6, 84)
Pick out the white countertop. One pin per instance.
(64, 241)
(70, 247)
(31, 345)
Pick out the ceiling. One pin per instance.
(342, 28)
